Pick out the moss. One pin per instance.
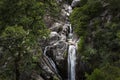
(55, 78)
(65, 54)
(81, 44)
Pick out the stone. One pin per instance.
(54, 37)
(57, 26)
(75, 3)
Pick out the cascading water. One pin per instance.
(67, 30)
(71, 56)
(71, 51)
(51, 62)
(71, 62)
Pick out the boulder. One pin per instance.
(54, 37)
(75, 3)
(57, 26)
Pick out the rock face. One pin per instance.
(57, 47)
(56, 51)
(75, 3)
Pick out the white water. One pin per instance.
(70, 29)
(70, 32)
(72, 45)
(71, 56)
(71, 62)
(50, 60)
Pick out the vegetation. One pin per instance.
(21, 28)
(106, 73)
(98, 24)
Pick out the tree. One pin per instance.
(21, 28)
(108, 72)
(97, 24)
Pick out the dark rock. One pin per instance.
(75, 3)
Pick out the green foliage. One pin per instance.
(65, 54)
(17, 56)
(108, 72)
(83, 20)
(81, 44)
(111, 72)
(81, 16)
(21, 28)
(14, 32)
(83, 2)
(52, 8)
(97, 74)
(114, 5)
(42, 33)
(97, 24)
(21, 12)
(55, 78)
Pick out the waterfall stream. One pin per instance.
(71, 51)
(69, 40)
(71, 62)
(71, 56)
(50, 60)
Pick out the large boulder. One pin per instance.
(59, 56)
(75, 3)
(57, 26)
(54, 37)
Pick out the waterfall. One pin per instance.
(70, 32)
(50, 60)
(66, 36)
(71, 56)
(71, 62)
(71, 52)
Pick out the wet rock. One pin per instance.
(75, 3)
(54, 37)
(67, 9)
(57, 26)
(36, 76)
(64, 14)
(63, 37)
(54, 34)
(58, 50)
(58, 45)
(47, 72)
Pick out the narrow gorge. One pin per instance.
(59, 39)
(62, 46)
